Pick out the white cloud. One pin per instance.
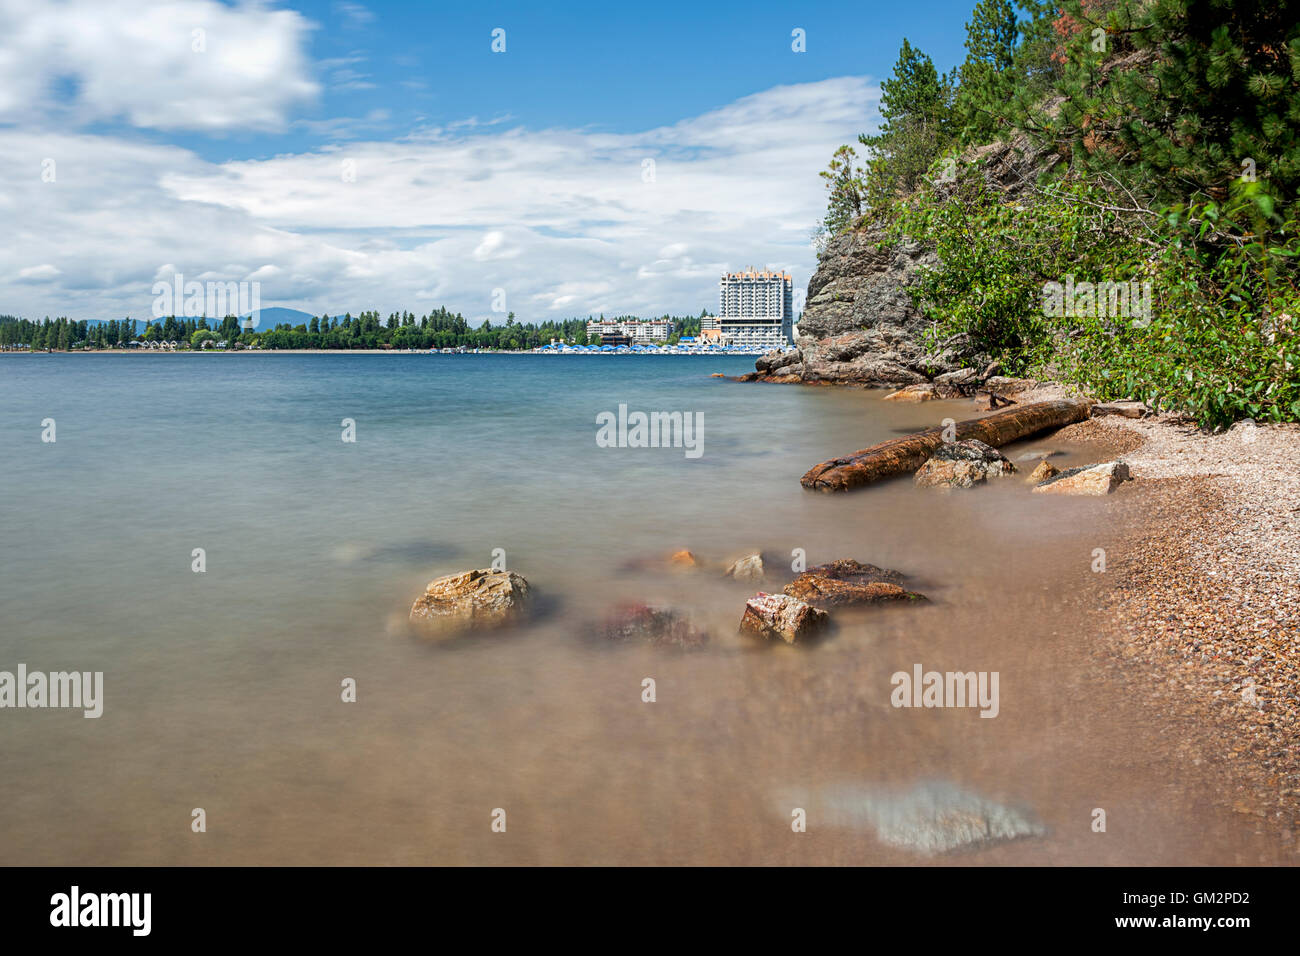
(559, 218)
(185, 64)
(355, 13)
(38, 273)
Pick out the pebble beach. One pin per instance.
(1202, 617)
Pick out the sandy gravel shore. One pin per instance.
(1205, 597)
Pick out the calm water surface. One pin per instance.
(223, 688)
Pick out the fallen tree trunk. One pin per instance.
(899, 455)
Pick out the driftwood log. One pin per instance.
(899, 455)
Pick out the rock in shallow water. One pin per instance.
(1044, 471)
(913, 393)
(658, 627)
(829, 592)
(847, 569)
(781, 616)
(749, 568)
(1039, 455)
(471, 600)
(929, 818)
(1089, 480)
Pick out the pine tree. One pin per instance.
(916, 106)
(1186, 102)
(987, 77)
(846, 187)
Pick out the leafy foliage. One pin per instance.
(1179, 123)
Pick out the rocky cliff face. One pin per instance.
(860, 325)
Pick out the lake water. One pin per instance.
(222, 688)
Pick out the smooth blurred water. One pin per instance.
(222, 688)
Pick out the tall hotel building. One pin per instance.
(755, 310)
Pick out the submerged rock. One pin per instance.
(471, 600)
(930, 818)
(962, 464)
(781, 616)
(658, 627)
(749, 568)
(682, 560)
(1040, 454)
(1088, 480)
(831, 592)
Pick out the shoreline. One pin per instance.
(712, 355)
(1204, 616)
(1198, 612)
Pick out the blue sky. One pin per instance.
(213, 139)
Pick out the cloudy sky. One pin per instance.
(614, 158)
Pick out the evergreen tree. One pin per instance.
(987, 77)
(846, 188)
(916, 106)
(1187, 103)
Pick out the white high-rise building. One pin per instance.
(755, 309)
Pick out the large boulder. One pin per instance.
(963, 464)
(658, 627)
(777, 363)
(470, 601)
(1088, 480)
(828, 592)
(771, 616)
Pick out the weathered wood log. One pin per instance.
(899, 455)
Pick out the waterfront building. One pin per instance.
(640, 331)
(755, 310)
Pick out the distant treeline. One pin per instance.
(402, 330)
